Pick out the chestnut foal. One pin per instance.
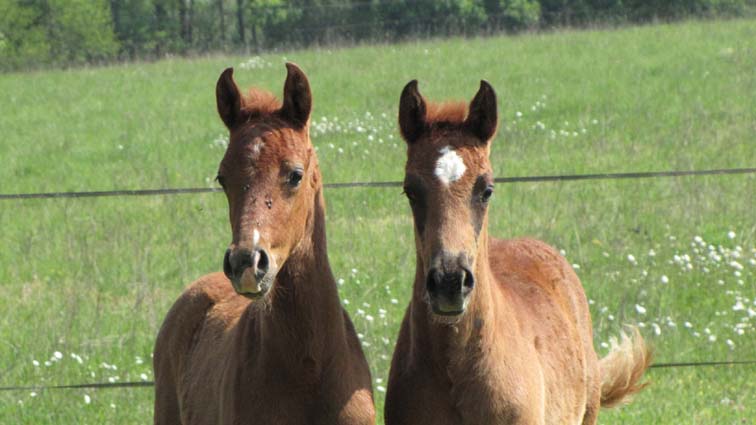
(268, 341)
(497, 331)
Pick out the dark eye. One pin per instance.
(295, 177)
(409, 194)
(486, 195)
(221, 180)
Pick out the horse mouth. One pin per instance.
(253, 295)
(447, 312)
(447, 309)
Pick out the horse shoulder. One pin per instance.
(201, 309)
(190, 309)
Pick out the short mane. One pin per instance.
(259, 101)
(454, 112)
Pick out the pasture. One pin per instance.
(87, 282)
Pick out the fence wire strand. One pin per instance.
(520, 179)
(145, 384)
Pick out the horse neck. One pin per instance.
(304, 306)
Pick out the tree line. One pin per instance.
(36, 33)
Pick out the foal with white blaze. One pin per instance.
(497, 331)
(267, 341)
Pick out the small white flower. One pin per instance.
(369, 318)
(394, 301)
(664, 279)
(731, 234)
(712, 338)
(651, 253)
(631, 258)
(576, 266)
(87, 399)
(32, 394)
(730, 344)
(640, 309)
(143, 376)
(58, 355)
(35, 363)
(381, 389)
(688, 325)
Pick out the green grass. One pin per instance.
(95, 277)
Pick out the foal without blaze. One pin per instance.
(497, 331)
(267, 341)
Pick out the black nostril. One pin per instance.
(432, 282)
(469, 280)
(263, 261)
(227, 264)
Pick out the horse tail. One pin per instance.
(622, 369)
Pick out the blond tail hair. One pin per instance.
(623, 368)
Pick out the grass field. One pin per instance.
(86, 282)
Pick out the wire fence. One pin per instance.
(520, 179)
(147, 384)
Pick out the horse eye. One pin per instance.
(409, 194)
(295, 177)
(486, 195)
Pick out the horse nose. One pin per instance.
(449, 284)
(246, 269)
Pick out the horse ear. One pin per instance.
(482, 118)
(411, 113)
(228, 98)
(297, 101)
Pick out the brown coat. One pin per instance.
(497, 331)
(268, 341)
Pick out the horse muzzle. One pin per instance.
(449, 284)
(251, 272)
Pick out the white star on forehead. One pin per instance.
(450, 167)
(257, 145)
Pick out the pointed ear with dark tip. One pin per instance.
(297, 100)
(411, 113)
(228, 98)
(482, 118)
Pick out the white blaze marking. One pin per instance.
(449, 167)
(255, 237)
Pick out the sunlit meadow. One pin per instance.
(87, 282)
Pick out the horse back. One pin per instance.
(550, 298)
